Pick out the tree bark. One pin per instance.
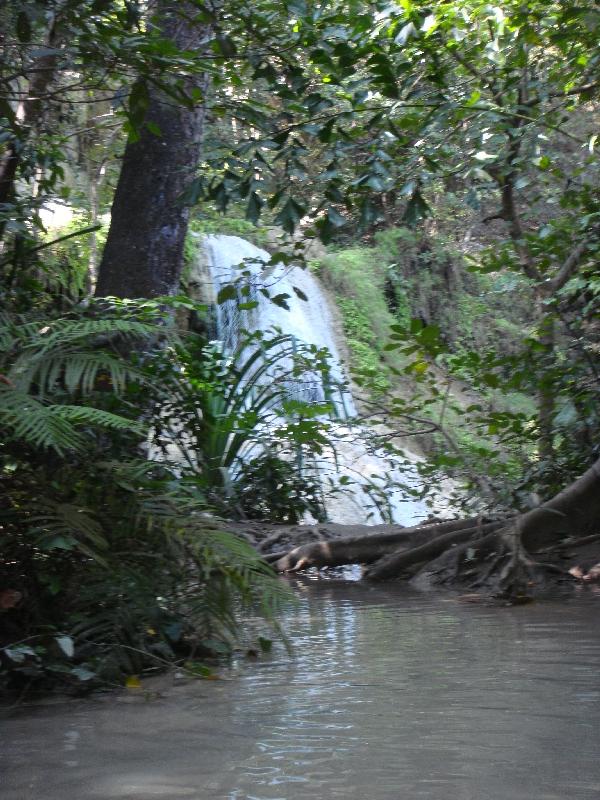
(364, 549)
(30, 113)
(143, 255)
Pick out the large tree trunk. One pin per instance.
(480, 552)
(144, 249)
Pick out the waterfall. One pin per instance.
(234, 262)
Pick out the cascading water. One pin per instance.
(234, 262)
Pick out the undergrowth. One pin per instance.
(111, 564)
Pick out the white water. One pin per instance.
(234, 261)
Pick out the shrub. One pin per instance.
(110, 563)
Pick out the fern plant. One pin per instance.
(64, 359)
(111, 560)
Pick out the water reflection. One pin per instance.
(389, 695)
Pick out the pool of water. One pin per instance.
(389, 694)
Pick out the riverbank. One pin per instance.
(295, 548)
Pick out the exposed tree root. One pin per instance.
(399, 562)
(496, 554)
(363, 549)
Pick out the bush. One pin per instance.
(110, 563)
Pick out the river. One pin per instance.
(389, 694)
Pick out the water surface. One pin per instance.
(389, 695)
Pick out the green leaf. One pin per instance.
(281, 300)
(374, 182)
(253, 209)
(384, 74)
(226, 293)
(193, 193)
(290, 215)
(327, 224)
(139, 100)
(198, 669)
(154, 129)
(416, 209)
(490, 380)
(299, 293)
(368, 214)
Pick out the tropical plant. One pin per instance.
(229, 424)
(110, 565)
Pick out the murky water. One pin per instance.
(390, 695)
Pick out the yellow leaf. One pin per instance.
(151, 631)
(133, 682)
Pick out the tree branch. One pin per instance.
(568, 268)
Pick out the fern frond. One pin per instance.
(36, 424)
(79, 371)
(71, 524)
(80, 415)
(54, 426)
(63, 332)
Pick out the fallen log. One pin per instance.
(495, 552)
(363, 549)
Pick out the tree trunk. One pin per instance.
(546, 388)
(143, 256)
(29, 114)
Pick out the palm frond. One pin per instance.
(25, 418)
(97, 417)
(63, 332)
(72, 351)
(78, 371)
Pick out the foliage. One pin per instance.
(368, 369)
(232, 425)
(419, 118)
(110, 564)
(469, 390)
(272, 488)
(229, 225)
(65, 272)
(357, 278)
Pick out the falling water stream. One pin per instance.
(308, 318)
(387, 695)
